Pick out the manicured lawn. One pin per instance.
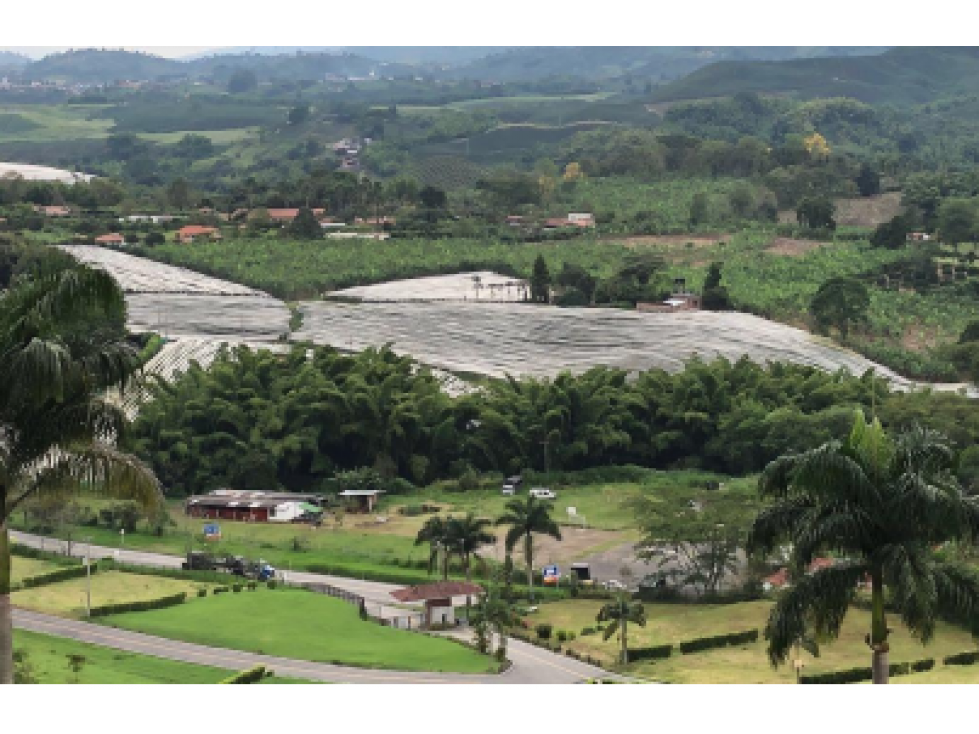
(109, 587)
(48, 658)
(674, 623)
(22, 568)
(305, 626)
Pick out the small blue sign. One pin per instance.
(212, 532)
(551, 571)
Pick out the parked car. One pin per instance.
(542, 493)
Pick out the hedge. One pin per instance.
(62, 574)
(254, 675)
(854, 675)
(214, 577)
(709, 643)
(658, 652)
(962, 658)
(140, 606)
(26, 551)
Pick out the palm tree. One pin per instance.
(527, 518)
(492, 613)
(882, 504)
(435, 532)
(621, 613)
(466, 535)
(57, 359)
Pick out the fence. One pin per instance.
(356, 599)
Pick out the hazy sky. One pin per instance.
(169, 51)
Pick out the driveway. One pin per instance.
(531, 665)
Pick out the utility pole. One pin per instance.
(88, 577)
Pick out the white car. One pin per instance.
(543, 494)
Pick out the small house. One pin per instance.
(110, 239)
(195, 233)
(361, 500)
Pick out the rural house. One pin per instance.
(194, 232)
(110, 239)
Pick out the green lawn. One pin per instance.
(304, 626)
(22, 568)
(48, 658)
(675, 623)
(108, 587)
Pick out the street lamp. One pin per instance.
(88, 577)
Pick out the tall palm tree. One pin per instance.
(882, 504)
(466, 535)
(527, 518)
(621, 613)
(492, 613)
(435, 532)
(56, 431)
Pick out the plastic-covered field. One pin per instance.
(518, 339)
(138, 275)
(485, 287)
(30, 172)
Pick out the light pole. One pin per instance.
(88, 577)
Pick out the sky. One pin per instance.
(172, 52)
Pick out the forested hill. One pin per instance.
(605, 62)
(900, 76)
(11, 60)
(94, 66)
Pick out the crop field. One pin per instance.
(516, 339)
(482, 286)
(292, 269)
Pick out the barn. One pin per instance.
(254, 506)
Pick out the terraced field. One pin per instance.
(517, 339)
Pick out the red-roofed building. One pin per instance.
(195, 232)
(110, 239)
(284, 216)
(53, 211)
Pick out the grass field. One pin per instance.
(48, 658)
(67, 598)
(303, 626)
(38, 123)
(675, 623)
(22, 568)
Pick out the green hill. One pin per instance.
(900, 76)
(92, 66)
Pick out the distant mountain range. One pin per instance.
(11, 60)
(485, 63)
(900, 76)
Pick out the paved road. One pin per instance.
(531, 665)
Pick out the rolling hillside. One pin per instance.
(900, 76)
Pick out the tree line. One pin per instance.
(257, 420)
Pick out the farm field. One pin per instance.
(745, 664)
(304, 626)
(67, 598)
(48, 658)
(481, 286)
(501, 339)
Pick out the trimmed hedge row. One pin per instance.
(215, 577)
(26, 551)
(709, 643)
(140, 606)
(658, 652)
(62, 574)
(253, 675)
(962, 658)
(859, 675)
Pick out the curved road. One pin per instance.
(530, 664)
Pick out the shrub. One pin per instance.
(571, 636)
(658, 652)
(236, 588)
(62, 574)
(962, 658)
(854, 675)
(709, 643)
(562, 636)
(587, 631)
(252, 585)
(271, 583)
(253, 675)
(140, 606)
(201, 593)
(544, 631)
(221, 590)
(922, 666)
